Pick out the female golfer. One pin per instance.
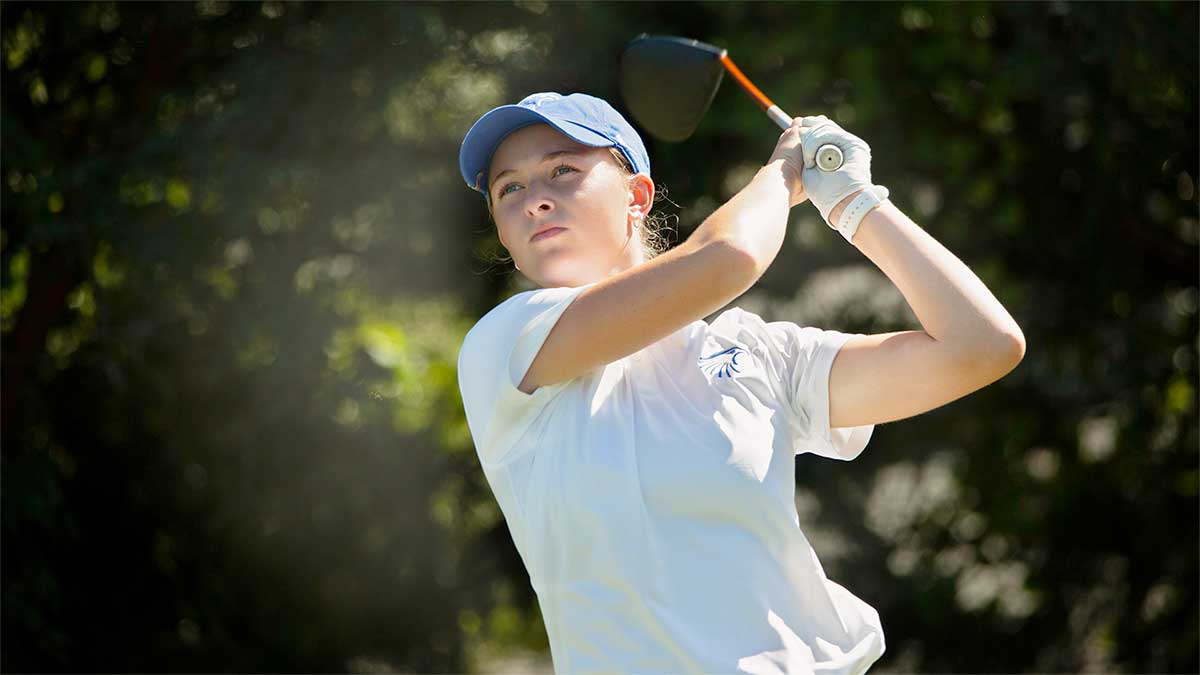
(644, 458)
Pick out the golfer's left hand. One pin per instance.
(827, 188)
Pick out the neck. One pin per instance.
(628, 256)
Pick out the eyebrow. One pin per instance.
(549, 155)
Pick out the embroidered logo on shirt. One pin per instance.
(722, 364)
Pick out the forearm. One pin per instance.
(755, 219)
(951, 302)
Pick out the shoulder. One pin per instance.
(537, 298)
(506, 321)
(515, 304)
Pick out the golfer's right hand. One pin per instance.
(789, 150)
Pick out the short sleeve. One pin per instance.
(798, 360)
(493, 359)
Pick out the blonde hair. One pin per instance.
(653, 228)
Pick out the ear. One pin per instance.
(641, 197)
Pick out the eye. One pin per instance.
(554, 173)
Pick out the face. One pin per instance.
(582, 191)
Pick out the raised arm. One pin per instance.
(969, 340)
(630, 310)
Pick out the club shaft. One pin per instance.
(759, 97)
(829, 156)
(780, 118)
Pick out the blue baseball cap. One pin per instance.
(587, 119)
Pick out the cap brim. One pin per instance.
(490, 130)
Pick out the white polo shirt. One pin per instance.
(652, 499)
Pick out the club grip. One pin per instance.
(829, 156)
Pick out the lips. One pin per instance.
(548, 232)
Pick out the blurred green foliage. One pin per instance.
(238, 261)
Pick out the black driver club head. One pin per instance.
(669, 82)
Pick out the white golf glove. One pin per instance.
(827, 188)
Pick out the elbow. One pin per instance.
(989, 360)
(1018, 340)
(1013, 349)
(1006, 353)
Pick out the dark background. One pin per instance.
(238, 261)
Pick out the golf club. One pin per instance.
(669, 82)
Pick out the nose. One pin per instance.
(538, 204)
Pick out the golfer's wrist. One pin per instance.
(779, 167)
(775, 174)
(782, 170)
(841, 206)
